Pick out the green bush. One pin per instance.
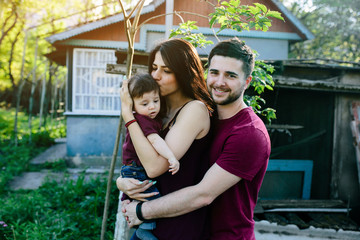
(71, 209)
(42, 139)
(14, 159)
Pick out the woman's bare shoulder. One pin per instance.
(196, 104)
(196, 109)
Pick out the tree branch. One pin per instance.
(5, 32)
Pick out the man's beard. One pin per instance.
(231, 98)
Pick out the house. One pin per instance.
(92, 101)
(312, 152)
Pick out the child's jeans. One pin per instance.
(137, 172)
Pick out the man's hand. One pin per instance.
(129, 211)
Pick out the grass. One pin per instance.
(70, 209)
(66, 210)
(56, 128)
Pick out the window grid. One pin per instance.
(94, 91)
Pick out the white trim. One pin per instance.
(92, 113)
(141, 45)
(228, 32)
(102, 99)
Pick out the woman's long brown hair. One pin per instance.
(182, 59)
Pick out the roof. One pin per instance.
(152, 6)
(99, 24)
(316, 74)
(323, 63)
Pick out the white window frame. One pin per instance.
(95, 92)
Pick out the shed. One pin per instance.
(314, 101)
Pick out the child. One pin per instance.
(145, 93)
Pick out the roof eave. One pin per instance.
(98, 24)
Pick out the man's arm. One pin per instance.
(163, 149)
(215, 182)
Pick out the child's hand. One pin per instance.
(126, 101)
(174, 165)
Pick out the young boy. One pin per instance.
(145, 93)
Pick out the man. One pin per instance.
(239, 154)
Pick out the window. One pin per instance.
(94, 91)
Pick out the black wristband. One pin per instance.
(139, 213)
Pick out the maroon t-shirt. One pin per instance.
(241, 146)
(148, 126)
(193, 165)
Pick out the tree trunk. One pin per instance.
(48, 94)
(11, 76)
(4, 32)
(31, 100)
(43, 90)
(21, 85)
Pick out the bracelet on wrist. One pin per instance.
(139, 213)
(130, 122)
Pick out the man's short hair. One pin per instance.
(237, 49)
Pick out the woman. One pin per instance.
(176, 67)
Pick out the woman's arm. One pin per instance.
(154, 164)
(192, 122)
(187, 128)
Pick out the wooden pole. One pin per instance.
(130, 30)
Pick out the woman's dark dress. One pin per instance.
(193, 166)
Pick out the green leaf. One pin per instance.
(212, 21)
(225, 4)
(275, 14)
(269, 87)
(261, 6)
(235, 3)
(254, 10)
(222, 19)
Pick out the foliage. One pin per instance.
(70, 209)
(262, 80)
(232, 15)
(336, 38)
(15, 159)
(185, 29)
(38, 20)
(43, 136)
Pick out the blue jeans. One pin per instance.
(137, 172)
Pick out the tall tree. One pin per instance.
(335, 24)
(8, 18)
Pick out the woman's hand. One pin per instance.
(134, 188)
(126, 101)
